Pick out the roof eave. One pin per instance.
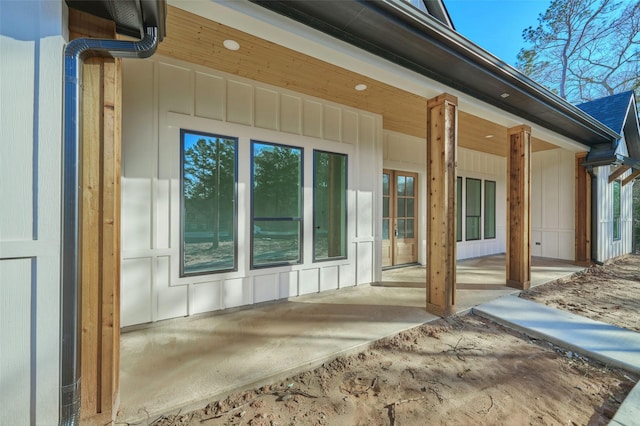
(397, 32)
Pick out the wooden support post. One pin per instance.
(519, 208)
(583, 212)
(442, 140)
(100, 226)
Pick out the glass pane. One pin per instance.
(385, 229)
(385, 184)
(329, 205)
(473, 197)
(410, 207)
(473, 228)
(385, 207)
(402, 212)
(489, 209)
(277, 181)
(276, 242)
(400, 189)
(410, 225)
(410, 190)
(208, 200)
(458, 209)
(401, 228)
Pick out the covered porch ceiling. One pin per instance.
(198, 40)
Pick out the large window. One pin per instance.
(329, 205)
(208, 203)
(276, 200)
(616, 210)
(473, 199)
(489, 209)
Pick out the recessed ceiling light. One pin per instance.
(360, 87)
(488, 136)
(231, 44)
(504, 95)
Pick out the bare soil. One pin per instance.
(457, 371)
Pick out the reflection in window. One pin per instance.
(386, 200)
(489, 209)
(329, 205)
(473, 209)
(616, 210)
(208, 203)
(276, 205)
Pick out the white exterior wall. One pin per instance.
(606, 247)
(160, 96)
(408, 153)
(478, 165)
(553, 204)
(31, 45)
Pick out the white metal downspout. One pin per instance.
(74, 54)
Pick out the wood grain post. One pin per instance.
(519, 208)
(442, 140)
(100, 226)
(583, 212)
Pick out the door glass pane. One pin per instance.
(329, 205)
(401, 228)
(385, 229)
(472, 208)
(473, 228)
(208, 203)
(410, 207)
(400, 190)
(410, 225)
(402, 212)
(385, 207)
(385, 184)
(410, 190)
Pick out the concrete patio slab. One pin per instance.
(185, 363)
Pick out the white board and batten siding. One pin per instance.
(408, 153)
(161, 96)
(479, 165)
(30, 127)
(607, 247)
(553, 204)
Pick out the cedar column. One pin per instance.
(583, 212)
(442, 140)
(100, 226)
(519, 208)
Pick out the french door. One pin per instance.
(399, 218)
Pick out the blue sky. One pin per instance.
(496, 25)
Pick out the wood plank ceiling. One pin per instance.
(197, 40)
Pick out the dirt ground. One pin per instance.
(459, 371)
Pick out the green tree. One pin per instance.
(584, 49)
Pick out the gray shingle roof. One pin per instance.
(610, 111)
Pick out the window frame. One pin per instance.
(466, 205)
(459, 205)
(346, 206)
(253, 218)
(235, 139)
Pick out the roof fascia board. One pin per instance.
(273, 27)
